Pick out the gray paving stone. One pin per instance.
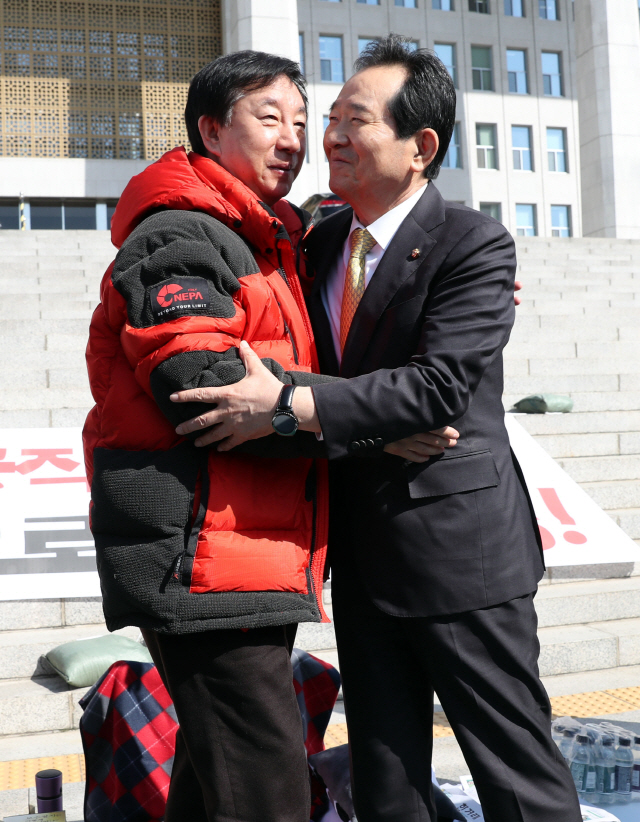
(630, 442)
(579, 445)
(614, 495)
(30, 613)
(627, 633)
(14, 803)
(313, 636)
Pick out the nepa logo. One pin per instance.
(173, 292)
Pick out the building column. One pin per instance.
(608, 83)
(262, 25)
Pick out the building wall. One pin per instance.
(96, 80)
(426, 25)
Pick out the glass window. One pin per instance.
(556, 149)
(481, 68)
(526, 220)
(413, 45)
(363, 42)
(301, 48)
(447, 53)
(325, 126)
(79, 216)
(46, 216)
(446, 5)
(517, 71)
(333, 1)
(486, 145)
(521, 142)
(514, 8)
(331, 70)
(481, 6)
(492, 210)
(453, 157)
(407, 4)
(560, 221)
(9, 215)
(551, 74)
(549, 9)
(370, 2)
(111, 209)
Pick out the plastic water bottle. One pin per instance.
(606, 771)
(590, 789)
(635, 776)
(624, 770)
(580, 764)
(566, 744)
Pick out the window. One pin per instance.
(560, 221)
(447, 53)
(551, 74)
(481, 68)
(453, 157)
(446, 5)
(481, 6)
(492, 210)
(517, 71)
(370, 2)
(413, 45)
(526, 220)
(556, 149)
(407, 4)
(301, 48)
(514, 8)
(521, 142)
(549, 9)
(331, 70)
(46, 216)
(9, 215)
(333, 1)
(486, 145)
(363, 42)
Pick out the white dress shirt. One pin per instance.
(383, 231)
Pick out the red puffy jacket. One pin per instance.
(190, 539)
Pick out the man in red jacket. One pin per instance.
(216, 557)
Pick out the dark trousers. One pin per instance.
(483, 666)
(239, 751)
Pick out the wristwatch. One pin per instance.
(284, 421)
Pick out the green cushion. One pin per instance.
(541, 403)
(83, 662)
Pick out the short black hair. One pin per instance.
(426, 100)
(218, 86)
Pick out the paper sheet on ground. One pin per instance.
(575, 531)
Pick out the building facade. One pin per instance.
(92, 90)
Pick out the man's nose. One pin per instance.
(289, 138)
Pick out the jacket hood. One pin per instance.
(190, 182)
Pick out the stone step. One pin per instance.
(45, 418)
(592, 469)
(34, 399)
(21, 651)
(589, 647)
(592, 401)
(23, 615)
(574, 603)
(628, 519)
(29, 706)
(614, 495)
(546, 366)
(524, 384)
(581, 422)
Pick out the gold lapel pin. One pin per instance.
(415, 253)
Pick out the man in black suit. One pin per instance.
(436, 563)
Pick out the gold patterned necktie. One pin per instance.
(361, 244)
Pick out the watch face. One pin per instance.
(285, 424)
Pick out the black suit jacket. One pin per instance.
(424, 350)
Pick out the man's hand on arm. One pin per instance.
(244, 411)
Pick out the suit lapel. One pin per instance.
(323, 248)
(397, 264)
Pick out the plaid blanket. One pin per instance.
(129, 726)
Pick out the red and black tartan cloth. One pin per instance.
(129, 726)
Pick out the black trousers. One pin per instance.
(483, 666)
(239, 751)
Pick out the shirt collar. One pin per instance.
(384, 228)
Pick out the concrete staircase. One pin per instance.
(577, 332)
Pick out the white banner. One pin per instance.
(574, 529)
(46, 547)
(47, 551)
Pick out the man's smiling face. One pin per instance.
(367, 159)
(264, 143)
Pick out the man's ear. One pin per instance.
(209, 131)
(427, 143)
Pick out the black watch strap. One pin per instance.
(286, 398)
